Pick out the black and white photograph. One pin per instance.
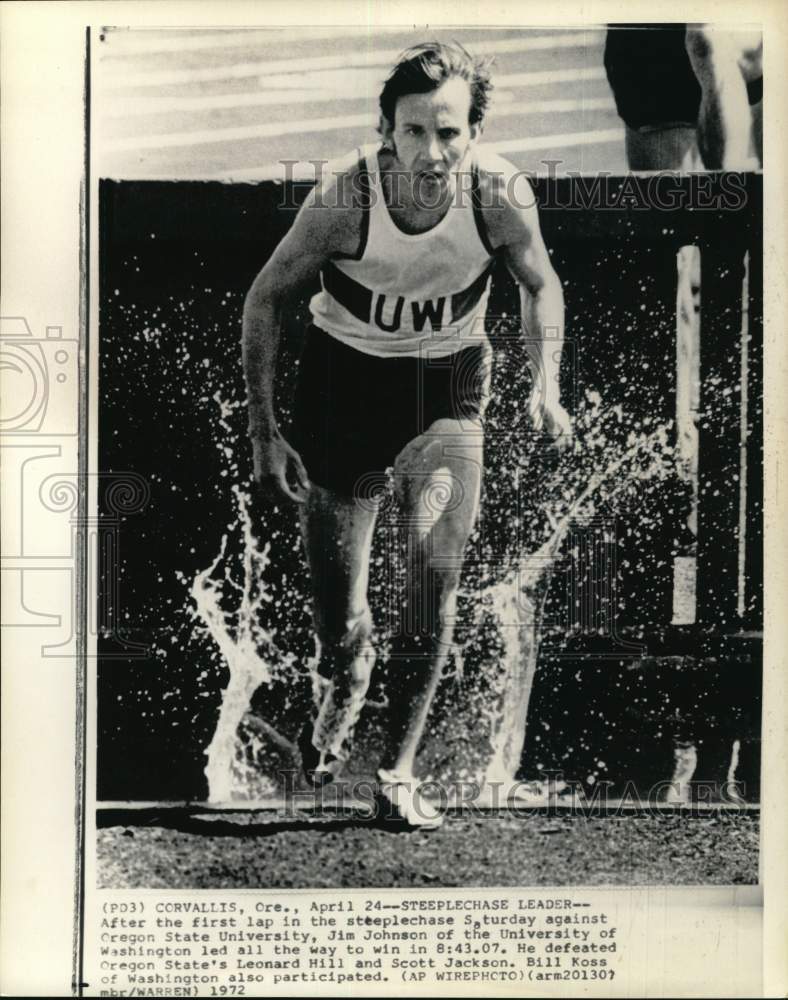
(392, 548)
(430, 375)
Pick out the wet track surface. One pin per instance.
(270, 850)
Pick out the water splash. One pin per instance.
(519, 598)
(605, 472)
(248, 650)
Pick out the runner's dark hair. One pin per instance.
(425, 67)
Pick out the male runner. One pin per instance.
(690, 95)
(393, 374)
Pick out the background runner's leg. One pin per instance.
(724, 118)
(438, 476)
(337, 534)
(674, 147)
(757, 131)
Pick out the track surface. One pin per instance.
(256, 850)
(233, 103)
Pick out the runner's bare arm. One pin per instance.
(328, 224)
(324, 227)
(513, 226)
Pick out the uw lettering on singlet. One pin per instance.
(403, 294)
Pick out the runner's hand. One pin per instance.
(548, 415)
(279, 468)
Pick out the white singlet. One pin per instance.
(402, 295)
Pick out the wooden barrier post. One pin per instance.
(687, 407)
(719, 460)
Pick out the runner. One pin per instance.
(395, 374)
(691, 95)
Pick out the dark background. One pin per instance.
(176, 261)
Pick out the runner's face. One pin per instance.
(431, 135)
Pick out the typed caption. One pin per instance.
(255, 945)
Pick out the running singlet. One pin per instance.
(402, 295)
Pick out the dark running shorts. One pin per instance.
(354, 412)
(652, 78)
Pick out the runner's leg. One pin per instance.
(337, 535)
(757, 131)
(438, 477)
(724, 119)
(673, 147)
